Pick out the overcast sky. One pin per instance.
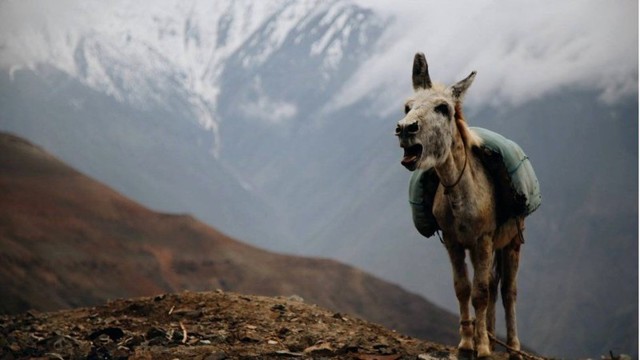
(521, 49)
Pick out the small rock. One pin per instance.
(155, 332)
(350, 348)
(283, 331)
(133, 341)
(323, 349)
(249, 337)
(295, 298)
(285, 353)
(114, 333)
(188, 313)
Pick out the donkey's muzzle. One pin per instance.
(404, 131)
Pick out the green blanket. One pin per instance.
(517, 187)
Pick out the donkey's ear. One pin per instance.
(420, 77)
(458, 89)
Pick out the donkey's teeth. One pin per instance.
(409, 161)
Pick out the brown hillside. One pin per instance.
(69, 241)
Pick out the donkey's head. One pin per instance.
(428, 128)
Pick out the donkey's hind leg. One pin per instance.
(509, 290)
(494, 280)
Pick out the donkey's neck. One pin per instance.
(456, 174)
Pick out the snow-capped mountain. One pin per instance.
(138, 53)
(232, 110)
(200, 67)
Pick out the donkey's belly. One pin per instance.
(506, 232)
(464, 224)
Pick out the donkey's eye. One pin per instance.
(407, 109)
(442, 109)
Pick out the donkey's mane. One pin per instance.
(469, 138)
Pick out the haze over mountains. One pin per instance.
(271, 121)
(69, 241)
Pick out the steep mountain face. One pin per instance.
(225, 110)
(141, 152)
(70, 241)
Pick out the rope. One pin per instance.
(447, 188)
(512, 350)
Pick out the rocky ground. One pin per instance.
(207, 326)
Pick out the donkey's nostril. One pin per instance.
(413, 128)
(398, 130)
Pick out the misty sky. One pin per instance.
(521, 49)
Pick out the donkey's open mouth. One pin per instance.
(411, 156)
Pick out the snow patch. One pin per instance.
(269, 110)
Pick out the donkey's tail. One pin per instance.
(498, 272)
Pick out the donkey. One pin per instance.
(434, 134)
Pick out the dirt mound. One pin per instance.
(205, 325)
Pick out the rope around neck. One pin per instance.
(448, 188)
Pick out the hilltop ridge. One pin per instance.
(208, 325)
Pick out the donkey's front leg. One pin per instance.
(482, 258)
(462, 288)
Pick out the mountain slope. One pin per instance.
(69, 241)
